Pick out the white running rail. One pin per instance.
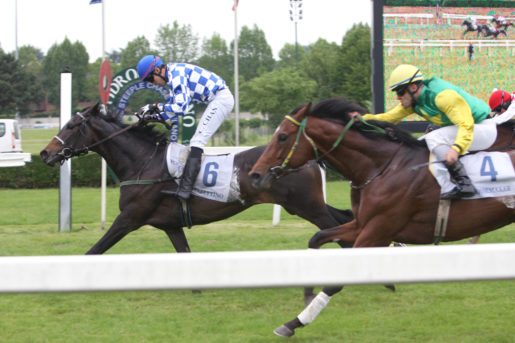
(257, 269)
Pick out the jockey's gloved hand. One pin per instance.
(153, 117)
(151, 109)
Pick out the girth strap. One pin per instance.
(442, 217)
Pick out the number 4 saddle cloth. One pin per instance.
(490, 172)
(217, 179)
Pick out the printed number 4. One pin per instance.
(210, 174)
(487, 168)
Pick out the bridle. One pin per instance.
(69, 152)
(280, 170)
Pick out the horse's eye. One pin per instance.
(282, 137)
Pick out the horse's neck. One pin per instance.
(125, 154)
(356, 156)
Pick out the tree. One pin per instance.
(64, 55)
(354, 65)
(20, 89)
(255, 55)
(216, 58)
(289, 54)
(177, 43)
(134, 51)
(319, 65)
(277, 93)
(115, 56)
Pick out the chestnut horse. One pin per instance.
(391, 200)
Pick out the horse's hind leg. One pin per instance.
(346, 233)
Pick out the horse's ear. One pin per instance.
(304, 111)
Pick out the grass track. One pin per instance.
(451, 312)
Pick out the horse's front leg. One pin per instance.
(179, 240)
(122, 225)
(346, 233)
(309, 313)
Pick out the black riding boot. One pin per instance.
(464, 187)
(189, 175)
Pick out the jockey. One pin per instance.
(500, 101)
(187, 84)
(459, 115)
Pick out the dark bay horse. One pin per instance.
(489, 31)
(138, 152)
(501, 25)
(390, 200)
(469, 27)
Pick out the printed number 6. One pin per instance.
(487, 168)
(210, 175)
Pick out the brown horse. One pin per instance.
(136, 152)
(390, 200)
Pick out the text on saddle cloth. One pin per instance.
(491, 173)
(217, 179)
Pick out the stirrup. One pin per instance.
(457, 193)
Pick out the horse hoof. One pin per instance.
(390, 287)
(284, 331)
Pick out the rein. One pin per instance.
(68, 153)
(279, 170)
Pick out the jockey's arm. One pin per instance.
(394, 116)
(179, 94)
(459, 113)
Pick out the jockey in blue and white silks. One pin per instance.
(187, 84)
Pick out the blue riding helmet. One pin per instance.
(147, 64)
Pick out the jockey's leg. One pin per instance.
(216, 112)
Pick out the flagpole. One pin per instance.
(236, 73)
(104, 165)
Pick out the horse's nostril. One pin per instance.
(43, 154)
(255, 176)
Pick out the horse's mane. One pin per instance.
(143, 132)
(339, 109)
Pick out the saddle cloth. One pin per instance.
(217, 179)
(491, 173)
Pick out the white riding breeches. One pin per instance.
(216, 112)
(485, 134)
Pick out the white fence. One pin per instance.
(255, 269)
(420, 44)
(460, 17)
(406, 16)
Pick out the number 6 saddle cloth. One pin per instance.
(217, 179)
(491, 173)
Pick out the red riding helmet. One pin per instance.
(499, 100)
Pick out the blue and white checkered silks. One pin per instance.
(190, 83)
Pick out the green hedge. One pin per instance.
(86, 172)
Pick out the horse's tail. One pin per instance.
(341, 216)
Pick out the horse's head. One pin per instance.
(465, 22)
(74, 137)
(288, 149)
